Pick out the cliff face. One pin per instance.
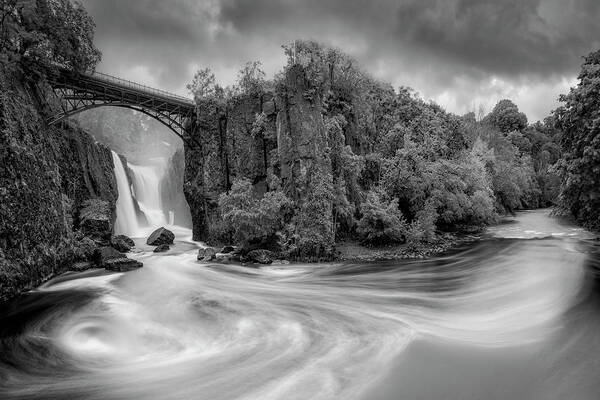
(47, 175)
(228, 150)
(305, 163)
(270, 139)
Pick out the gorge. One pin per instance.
(317, 233)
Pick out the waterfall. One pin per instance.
(146, 181)
(126, 222)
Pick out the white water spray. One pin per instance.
(146, 181)
(126, 222)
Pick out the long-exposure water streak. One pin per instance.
(512, 316)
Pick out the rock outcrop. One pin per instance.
(160, 236)
(161, 248)
(122, 243)
(265, 137)
(260, 256)
(228, 150)
(305, 164)
(206, 254)
(48, 175)
(95, 220)
(113, 260)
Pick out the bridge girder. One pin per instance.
(80, 92)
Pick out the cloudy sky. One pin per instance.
(461, 54)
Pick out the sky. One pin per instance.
(462, 54)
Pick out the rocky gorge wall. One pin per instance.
(48, 175)
(276, 140)
(228, 150)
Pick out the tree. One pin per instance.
(382, 222)
(506, 117)
(251, 78)
(579, 168)
(203, 85)
(41, 34)
(249, 217)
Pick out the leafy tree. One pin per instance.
(203, 85)
(249, 217)
(422, 228)
(251, 78)
(382, 222)
(520, 142)
(40, 34)
(506, 117)
(313, 227)
(579, 168)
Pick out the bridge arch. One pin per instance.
(79, 92)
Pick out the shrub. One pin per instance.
(422, 229)
(382, 222)
(249, 217)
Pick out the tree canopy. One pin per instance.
(579, 120)
(39, 34)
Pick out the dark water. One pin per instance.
(512, 317)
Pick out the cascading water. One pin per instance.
(126, 222)
(145, 191)
(514, 316)
(145, 187)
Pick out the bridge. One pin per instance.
(78, 92)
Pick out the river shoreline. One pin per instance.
(354, 251)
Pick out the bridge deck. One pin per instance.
(109, 88)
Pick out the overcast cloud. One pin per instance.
(459, 53)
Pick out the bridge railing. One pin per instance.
(130, 84)
(137, 86)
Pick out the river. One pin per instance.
(513, 316)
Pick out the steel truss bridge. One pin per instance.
(78, 92)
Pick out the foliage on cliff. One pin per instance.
(38, 34)
(359, 159)
(248, 216)
(48, 173)
(579, 167)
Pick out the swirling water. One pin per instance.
(513, 316)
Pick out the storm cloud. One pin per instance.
(460, 53)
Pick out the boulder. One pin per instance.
(260, 256)
(95, 220)
(113, 260)
(160, 236)
(82, 266)
(122, 264)
(227, 249)
(161, 248)
(122, 243)
(206, 254)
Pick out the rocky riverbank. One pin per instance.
(355, 251)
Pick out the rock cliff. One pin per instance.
(228, 150)
(273, 138)
(47, 175)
